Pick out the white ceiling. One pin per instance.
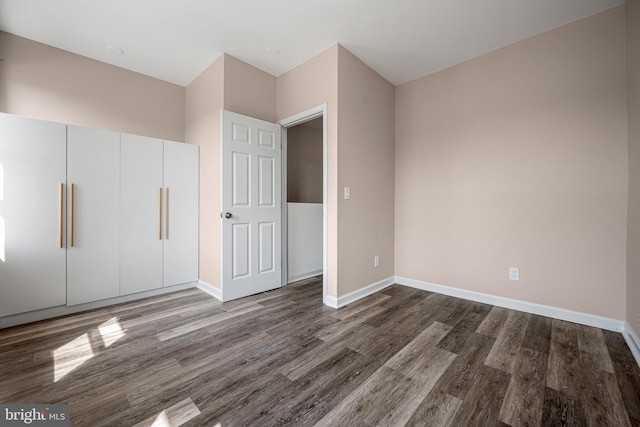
(175, 40)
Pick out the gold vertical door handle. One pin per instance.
(166, 213)
(160, 214)
(60, 213)
(71, 209)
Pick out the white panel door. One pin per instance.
(251, 206)
(93, 176)
(181, 213)
(141, 214)
(32, 252)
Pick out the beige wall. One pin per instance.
(313, 83)
(304, 164)
(633, 111)
(248, 90)
(204, 100)
(232, 85)
(366, 165)
(43, 82)
(519, 158)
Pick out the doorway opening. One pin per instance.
(304, 190)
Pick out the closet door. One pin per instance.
(181, 213)
(142, 226)
(32, 253)
(93, 172)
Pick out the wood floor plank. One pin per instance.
(339, 328)
(229, 384)
(524, 401)
(153, 386)
(563, 367)
(309, 321)
(457, 309)
(415, 358)
(258, 320)
(378, 401)
(321, 389)
(302, 365)
(361, 305)
(252, 407)
(34, 331)
(183, 310)
(538, 334)
(394, 309)
(217, 318)
(505, 350)
(481, 406)
(492, 325)
(174, 416)
(627, 373)
(458, 379)
(438, 409)
(458, 335)
(560, 409)
(602, 400)
(99, 409)
(593, 349)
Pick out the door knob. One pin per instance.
(227, 215)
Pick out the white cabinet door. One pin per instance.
(181, 213)
(93, 172)
(141, 215)
(32, 255)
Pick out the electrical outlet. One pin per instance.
(347, 193)
(514, 273)
(376, 261)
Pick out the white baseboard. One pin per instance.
(331, 301)
(302, 276)
(527, 307)
(63, 310)
(210, 289)
(334, 302)
(632, 341)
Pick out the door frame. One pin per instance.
(296, 119)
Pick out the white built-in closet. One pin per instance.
(89, 215)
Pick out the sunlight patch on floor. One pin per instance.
(162, 420)
(111, 331)
(174, 416)
(70, 356)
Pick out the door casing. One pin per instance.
(296, 119)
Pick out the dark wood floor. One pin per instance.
(399, 357)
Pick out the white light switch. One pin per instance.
(347, 193)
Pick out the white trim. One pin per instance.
(334, 302)
(527, 307)
(310, 114)
(285, 206)
(210, 289)
(632, 341)
(302, 276)
(48, 313)
(330, 301)
(304, 116)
